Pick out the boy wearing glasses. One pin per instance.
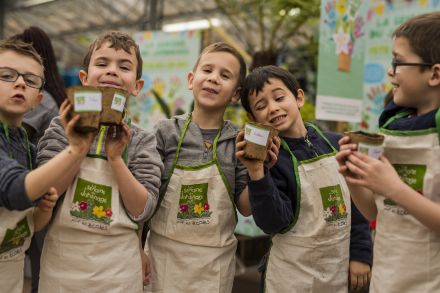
(21, 81)
(402, 187)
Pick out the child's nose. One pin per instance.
(213, 77)
(390, 72)
(20, 82)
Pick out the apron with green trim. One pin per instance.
(312, 254)
(16, 229)
(191, 242)
(407, 253)
(92, 245)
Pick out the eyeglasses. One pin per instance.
(394, 65)
(31, 80)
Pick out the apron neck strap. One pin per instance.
(101, 142)
(395, 117)
(182, 135)
(322, 136)
(28, 146)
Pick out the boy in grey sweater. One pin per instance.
(102, 189)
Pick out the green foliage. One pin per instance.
(268, 25)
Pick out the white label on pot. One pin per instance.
(87, 101)
(373, 151)
(118, 102)
(256, 135)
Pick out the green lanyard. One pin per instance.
(100, 143)
(28, 147)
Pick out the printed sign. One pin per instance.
(87, 101)
(256, 134)
(118, 102)
(193, 202)
(92, 201)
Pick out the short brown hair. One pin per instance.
(423, 34)
(224, 47)
(22, 48)
(118, 40)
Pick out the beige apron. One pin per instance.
(191, 242)
(407, 253)
(312, 254)
(92, 245)
(16, 229)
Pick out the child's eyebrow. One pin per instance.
(277, 89)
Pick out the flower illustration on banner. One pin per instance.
(99, 211)
(206, 206)
(342, 41)
(347, 26)
(108, 212)
(198, 209)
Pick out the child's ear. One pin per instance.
(138, 87)
(83, 77)
(37, 99)
(236, 96)
(435, 76)
(190, 77)
(300, 98)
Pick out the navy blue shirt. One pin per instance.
(273, 198)
(408, 122)
(14, 165)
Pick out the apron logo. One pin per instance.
(193, 202)
(413, 176)
(93, 202)
(16, 237)
(335, 211)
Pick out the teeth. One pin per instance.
(276, 119)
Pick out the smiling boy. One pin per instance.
(402, 188)
(102, 225)
(319, 240)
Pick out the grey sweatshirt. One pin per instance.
(143, 159)
(193, 150)
(14, 165)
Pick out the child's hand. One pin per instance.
(345, 150)
(359, 275)
(376, 175)
(48, 201)
(117, 139)
(79, 143)
(272, 153)
(146, 270)
(255, 167)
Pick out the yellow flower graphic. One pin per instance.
(99, 211)
(341, 6)
(341, 208)
(198, 209)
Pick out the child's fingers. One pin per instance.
(52, 191)
(240, 136)
(344, 140)
(353, 167)
(240, 145)
(65, 107)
